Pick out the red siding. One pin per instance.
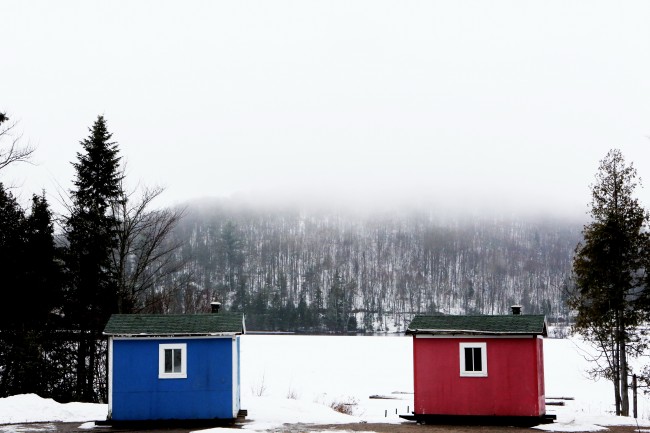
(514, 385)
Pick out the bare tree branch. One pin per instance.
(146, 251)
(10, 149)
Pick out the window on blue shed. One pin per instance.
(473, 359)
(172, 361)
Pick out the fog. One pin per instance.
(504, 106)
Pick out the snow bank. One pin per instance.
(32, 408)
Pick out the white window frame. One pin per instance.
(484, 365)
(161, 361)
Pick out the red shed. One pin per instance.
(479, 366)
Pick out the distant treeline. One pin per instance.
(315, 272)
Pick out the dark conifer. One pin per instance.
(22, 315)
(91, 230)
(609, 266)
(12, 260)
(44, 279)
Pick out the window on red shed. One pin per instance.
(473, 359)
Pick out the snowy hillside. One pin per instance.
(291, 379)
(315, 271)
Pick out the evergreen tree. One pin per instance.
(29, 268)
(91, 234)
(303, 314)
(232, 258)
(44, 279)
(257, 319)
(317, 307)
(337, 309)
(608, 267)
(12, 260)
(288, 317)
(45, 282)
(352, 323)
(240, 302)
(276, 320)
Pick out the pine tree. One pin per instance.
(608, 267)
(12, 260)
(12, 223)
(44, 273)
(232, 260)
(30, 271)
(336, 315)
(44, 282)
(91, 234)
(317, 306)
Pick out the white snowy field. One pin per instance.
(291, 379)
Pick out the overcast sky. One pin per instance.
(511, 103)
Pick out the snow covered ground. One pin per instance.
(290, 379)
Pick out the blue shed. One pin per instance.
(173, 366)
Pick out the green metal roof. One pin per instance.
(143, 325)
(513, 324)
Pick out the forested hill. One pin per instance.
(299, 271)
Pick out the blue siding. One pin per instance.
(206, 393)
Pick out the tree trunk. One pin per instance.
(90, 376)
(82, 352)
(616, 367)
(625, 402)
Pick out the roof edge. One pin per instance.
(167, 334)
(468, 332)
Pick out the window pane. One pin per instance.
(177, 360)
(478, 363)
(168, 360)
(469, 366)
